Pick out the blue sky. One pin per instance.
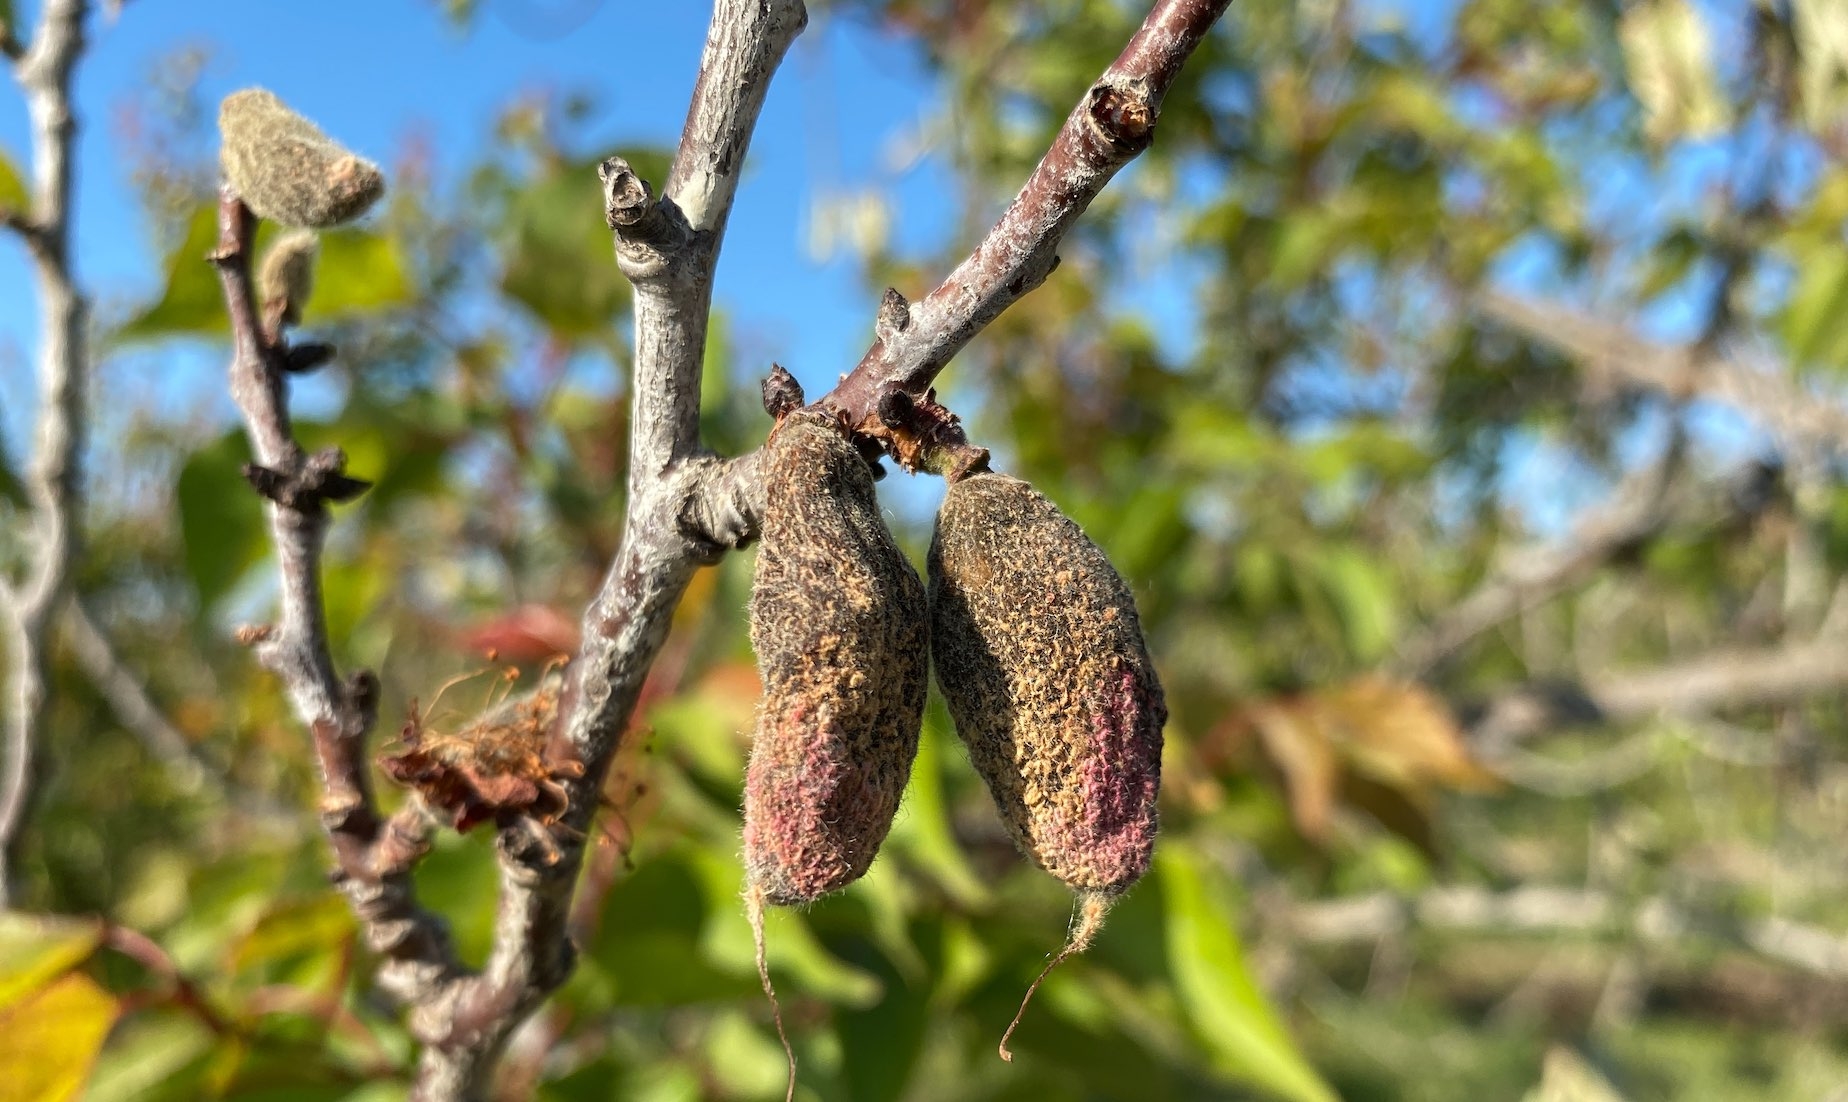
(376, 73)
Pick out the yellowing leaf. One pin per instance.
(1223, 1002)
(13, 195)
(49, 1042)
(1371, 730)
(37, 949)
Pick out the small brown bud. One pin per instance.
(838, 619)
(286, 169)
(286, 277)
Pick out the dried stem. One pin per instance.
(29, 607)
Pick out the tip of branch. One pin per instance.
(627, 198)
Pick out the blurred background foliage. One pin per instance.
(1460, 388)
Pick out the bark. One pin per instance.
(28, 608)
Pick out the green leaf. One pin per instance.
(1815, 323)
(922, 829)
(37, 949)
(1216, 988)
(798, 961)
(49, 1042)
(649, 942)
(191, 302)
(221, 518)
(155, 1057)
(1363, 600)
(358, 273)
(557, 263)
(13, 194)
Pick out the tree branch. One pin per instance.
(668, 246)
(373, 856)
(1616, 355)
(1726, 678)
(1112, 123)
(1633, 514)
(129, 700)
(1550, 910)
(53, 479)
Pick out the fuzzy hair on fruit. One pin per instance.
(839, 621)
(1041, 659)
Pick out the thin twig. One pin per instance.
(132, 706)
(1112, 123)
(53, 479)
(373, 857)
(1614, 353)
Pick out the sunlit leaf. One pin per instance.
(1216, 988)
(1667, 49)
(37, 949)
(49, 1042)
(221, 518)
(359, 272)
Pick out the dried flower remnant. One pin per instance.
(493, 770)
(1041, 659)
(286, 170)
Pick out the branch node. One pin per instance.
(782, 393)
(250, 635)
(636, 215)
(321, 478)
(894, 315)
(1124, 117)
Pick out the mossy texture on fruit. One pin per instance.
(1041, 659)
(286, 170)
(839, 623)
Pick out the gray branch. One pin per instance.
(1615, 355)
(129, 700)
(1788, 673)
(53, 479)
(1552, 910)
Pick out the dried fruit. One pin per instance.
(286, 170)
(286, 277)
(838, 620)
(1041, 659)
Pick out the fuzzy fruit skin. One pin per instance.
(1041, 659)
(286, 170)
(839, 623)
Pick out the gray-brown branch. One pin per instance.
(1112, 123)
(1614, 354)
(373, 856)
(668, 246)
(1730, 678)
(29, 607)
